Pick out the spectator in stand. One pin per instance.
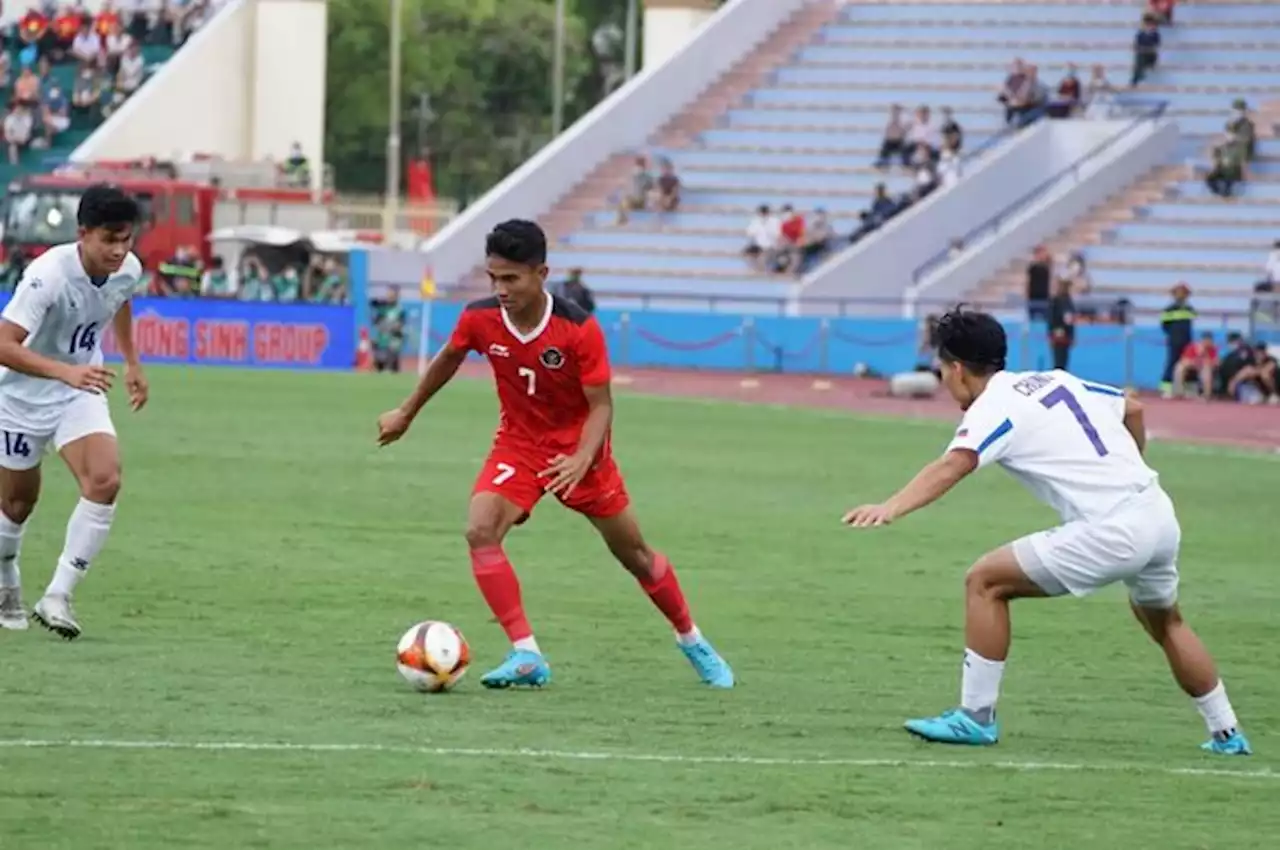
(388, 332)
(296, 170)
(637, 195)
(1270, 271)
(668, 187)
(792, 241)
(1146, 50)
(107, 20)
(142, 18)
(952, 132)
(819, 236)
(6, 69)
(33, 32)
(948, 167)
(1062, 323)
(115, 45)
(881, 210)
(255, 283)
(574, 289)
(26, 90)
(1161, 11)
(55, 115)
(66, 25)
(332, 285)
(895, 135)
(1067, 99)
(217, 282)
(1014, 91)
(288, 285)
(1241, 130)
(764, 234)
(132, 71)
(1199, 362)
(17, 131)
(1227, 170)
(87, 47)
(1099, 94)
(1178, 323)
(1039, 284)
(1248, 372)
(86, 91)
(1030, 99)
(923, 133)
(1237, 356)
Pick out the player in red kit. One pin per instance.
(551, 369)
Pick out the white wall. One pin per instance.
(198, 102)
(246, 86)
(625, 119)
(289, 83)
(881, 265)
(668, 26)
(1149, 145)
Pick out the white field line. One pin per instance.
(632, 757)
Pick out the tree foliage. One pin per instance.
(486, 68)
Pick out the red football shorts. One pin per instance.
(513, 474)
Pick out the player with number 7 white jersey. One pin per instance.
(1078, 447)
(52, 395)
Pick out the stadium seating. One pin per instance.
(35, 160)
(808, 135)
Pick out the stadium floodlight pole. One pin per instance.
(633, 34)
(391, 203)
(557, 73)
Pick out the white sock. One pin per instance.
(527, 645)
(980, 686)
(1216, 710)
(87, 532)
(10, 543)
(690, 637)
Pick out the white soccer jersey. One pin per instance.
(65, 314)
(1062, 437)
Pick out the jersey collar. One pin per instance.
(538, 329)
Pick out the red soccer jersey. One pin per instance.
(540, 376)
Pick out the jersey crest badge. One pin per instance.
(552, 358)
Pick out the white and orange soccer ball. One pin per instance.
(432, 656)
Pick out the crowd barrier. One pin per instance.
(233, 333)
(1122, 355)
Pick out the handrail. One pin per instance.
(1151, 110)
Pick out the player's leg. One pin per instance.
(19, 491)
(86, 440)
(1153, 598)
(991, 584)
(657, 578)
(505, 492)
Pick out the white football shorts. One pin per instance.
(1137, 543)
(22, 444)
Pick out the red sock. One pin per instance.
(664, 590)
(501, 589)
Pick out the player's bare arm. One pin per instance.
(135, 382)
(14, 355)
(1134, 423)
(566, 471)
(393, 424)
(930, 484)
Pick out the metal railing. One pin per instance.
(1146, 111)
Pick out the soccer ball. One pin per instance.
(432, 656)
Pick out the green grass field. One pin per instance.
(267, 557)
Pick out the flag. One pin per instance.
(428, 287)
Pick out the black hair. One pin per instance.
(517, 241)
(106, 206)
(974, 339)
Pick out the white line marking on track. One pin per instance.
(622, 756)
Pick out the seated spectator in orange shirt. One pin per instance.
(26, 90)
(107, 20)
(1199, 361)
(792, 229)
(33, 27)
(66, 24)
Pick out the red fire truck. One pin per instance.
(181, 204)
